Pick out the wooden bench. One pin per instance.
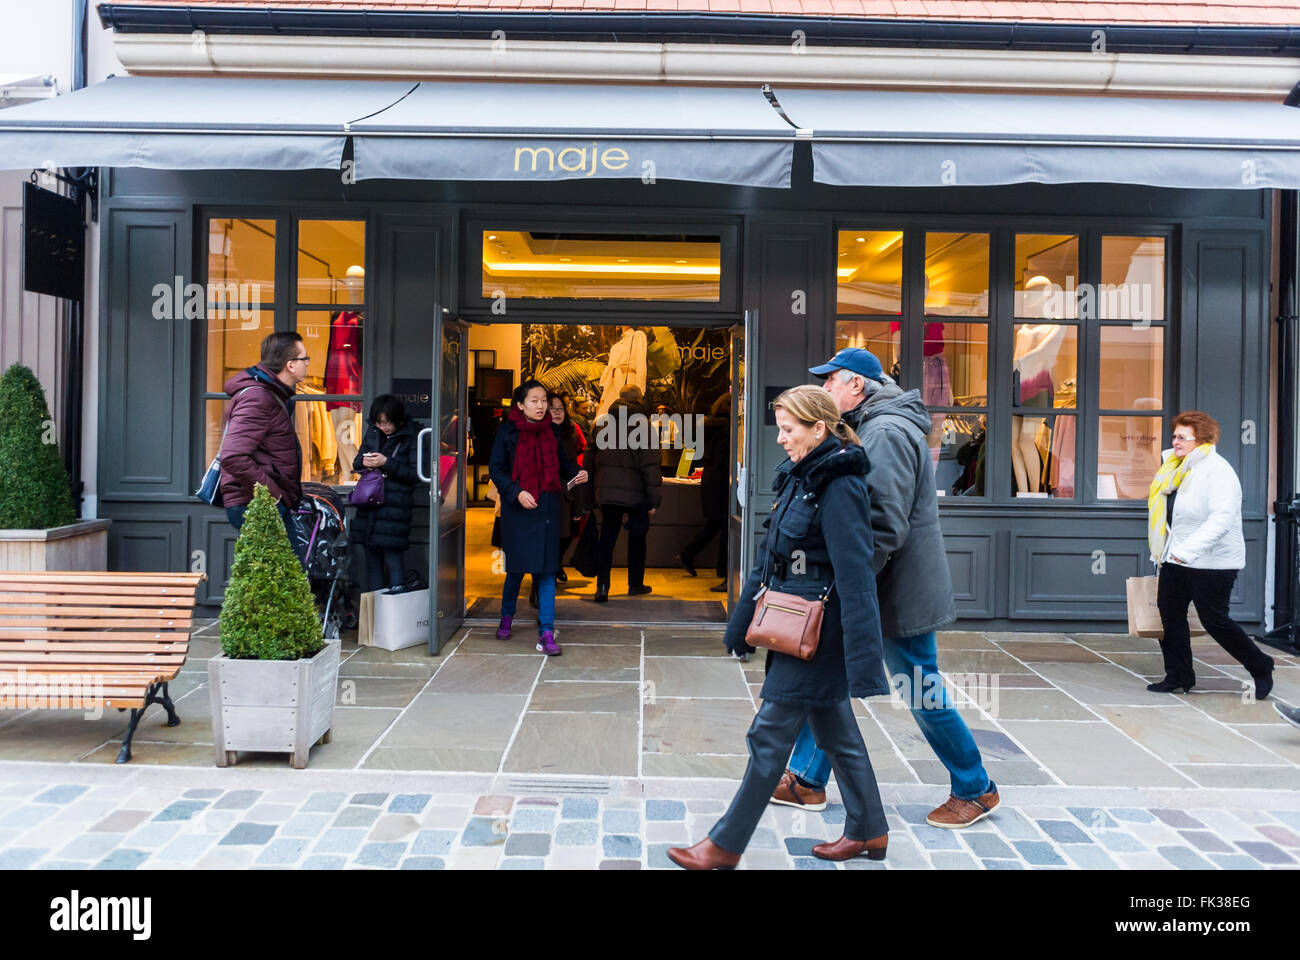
(77, 641)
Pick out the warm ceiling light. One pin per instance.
(681, 261)
(622, 259)
(702, 270)
(492, 236)
(566, 259)
(862, 239)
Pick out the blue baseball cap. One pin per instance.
(853, 359)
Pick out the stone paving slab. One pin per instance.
(205, 819)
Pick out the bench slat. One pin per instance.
(137, 623)
(64, 589)
(99, 576)
(77, 655)
(97, 600)
(28, 646)
(73, 636)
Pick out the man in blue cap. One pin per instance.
(912, 582)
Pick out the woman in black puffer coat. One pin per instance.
(384, 531)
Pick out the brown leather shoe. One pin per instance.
(956, 813)
(794, 794)
(846, 849)
(705, 855)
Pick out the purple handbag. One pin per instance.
(369, 491)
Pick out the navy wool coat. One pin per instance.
(823, 510)
(530, 538)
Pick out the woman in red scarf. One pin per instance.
(530, 469)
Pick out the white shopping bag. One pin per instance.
(400, 619)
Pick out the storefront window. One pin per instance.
(1044, 379)
(1132, 279)
(1132, 368)
(330, 431)
(957, 449)
(869, 272)
(241, 261)
(519, 264)
(957, 274)
(1046, 276)
(331, 261)
(955, 365)
(1128, 454)
(880, 337)
(235, 336)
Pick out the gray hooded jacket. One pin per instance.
(912, 579)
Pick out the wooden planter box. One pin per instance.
(78, 546)
(273, 706)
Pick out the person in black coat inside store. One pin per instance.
(384, 531)
(818, 544)
(715, 484)
(625, 465)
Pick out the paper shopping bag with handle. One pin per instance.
(1144, 614)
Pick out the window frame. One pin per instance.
(1000, 324)
(285, 307)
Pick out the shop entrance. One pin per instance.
(690, 416)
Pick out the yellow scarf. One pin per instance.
(1169, 477)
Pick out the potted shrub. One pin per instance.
(273, 685)
(39, 529)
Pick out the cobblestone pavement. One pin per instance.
(492, 756)
(53, 817)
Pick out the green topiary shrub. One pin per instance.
(268, 612)
(34, 491)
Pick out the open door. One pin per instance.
(739, 532)
(441, 463)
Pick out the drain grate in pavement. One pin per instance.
(586, 788)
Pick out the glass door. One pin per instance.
(739, 533)
(443, 452)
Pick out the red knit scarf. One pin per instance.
(537, 462)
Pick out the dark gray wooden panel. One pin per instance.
(1225, 351)
(787, 271)
(216, 537)
(1054, 576)
(155, 545)
(970, 561)
(144, 430)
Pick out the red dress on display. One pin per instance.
(343, 365)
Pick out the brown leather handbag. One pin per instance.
(787, 623)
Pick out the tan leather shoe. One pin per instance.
(846, 849)
(956, 813)
(705, 855)
(794, 794)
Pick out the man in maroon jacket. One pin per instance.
(261, 444)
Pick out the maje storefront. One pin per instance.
(1054, 308)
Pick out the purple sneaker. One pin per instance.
(546, 644)
(503, 631)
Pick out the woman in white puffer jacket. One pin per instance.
(1194, 530)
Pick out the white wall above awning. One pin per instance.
(924, 139)
(430, 131)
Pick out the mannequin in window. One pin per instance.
(936, 382)
(626, 367)
(343, 372)
(1036, 348)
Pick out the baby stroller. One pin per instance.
(323, 544)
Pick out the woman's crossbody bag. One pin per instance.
(784, 622)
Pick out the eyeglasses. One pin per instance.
(1183, 439)
(300, 359)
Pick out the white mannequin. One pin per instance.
(347, 422)
(1036, 349)
(626, 367)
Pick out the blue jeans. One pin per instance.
(545, 598)
(942, 726)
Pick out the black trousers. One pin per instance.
(1209, 591)
(770, 739)
(611, 522)
(714, 524)
(384, 568)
